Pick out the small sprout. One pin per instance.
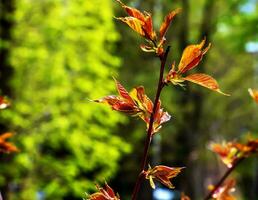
(254, 94)
(163, 174)
(192, 56)
(225, 190)
(105, 193)
(136, 103)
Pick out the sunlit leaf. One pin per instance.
(254, 94)
(134, 23)
(136, 103)
(123, 92)
(142, 23)
(165, 25)
(139, 22)
(205, 81)
(160, 117)
(105, 193)
(133, 12)
(191, 57)
(226, 151)
(163, 174)
(7, 147)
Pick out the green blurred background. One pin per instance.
(57, 54)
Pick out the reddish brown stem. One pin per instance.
(139, 180)
(223, 178)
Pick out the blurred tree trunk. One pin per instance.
(190, 134)
(6, 25)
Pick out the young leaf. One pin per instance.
(192, 55)
(142, 23)
(135, 103)
(160, 118)
(163, 174)
(123, 92)
(4, 103)
(230, 152)
(133, 12)
(105, 193)
(254, 94)
(7, 147)
(134, 24)
(139, 22)
(205, 81)
(226, 151)
(223, 192)
(168, 19)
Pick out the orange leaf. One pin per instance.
(254, 94)
(160, 117)
(226, 151)
(139, 22)
(205, 81)
(162, 174)
(123, 92)
(223, 192)
(134, 23)
(168, 19)
(4, 103)
(191, 57)
(133, 12)
(148, 27)
(7, 147)
(105, 193)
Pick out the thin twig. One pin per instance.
(163, 59)
(222, 179)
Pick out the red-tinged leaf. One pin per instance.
(224, 191)
(105, 193)
(253, 145)
(133, 12)
(148, 27)
(227, 152)
(135, 103)
(165, 25)
(205, 81)
(146, 103)
(4, 103)
(123, 92)
(5, 146)
(134, 24)
(254, 94)
(126, 108)
(163, 174)
(191, 57)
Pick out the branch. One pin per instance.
(223, 178)
(163, 59)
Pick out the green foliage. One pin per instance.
(62, 55)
